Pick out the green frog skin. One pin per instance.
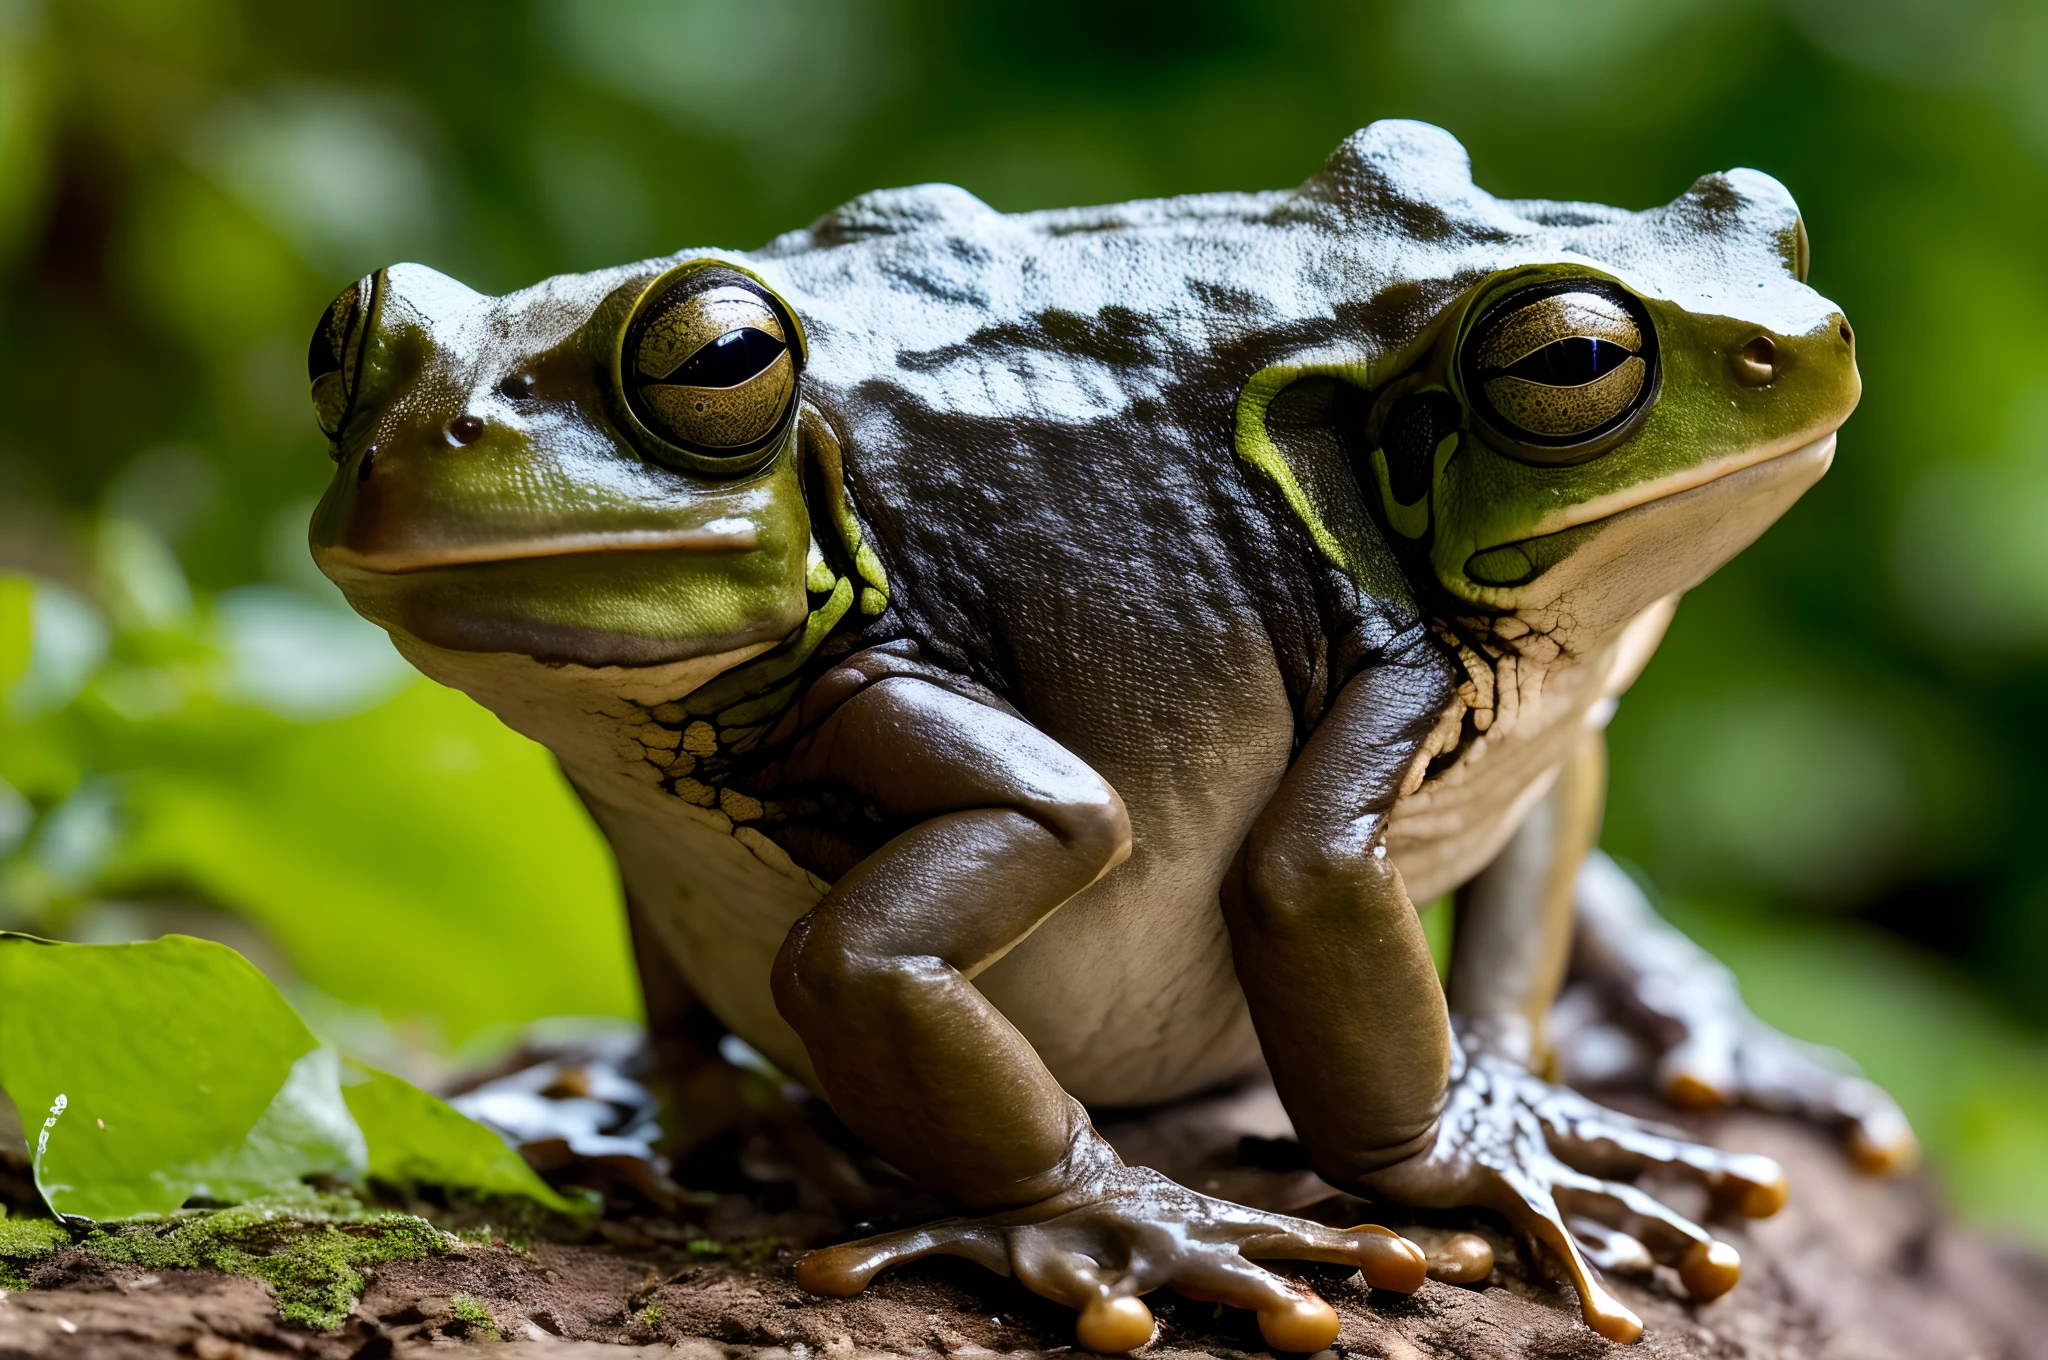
(1031, 662)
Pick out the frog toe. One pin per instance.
(1784, 1075)
(1624, 1229)
(1650, 988)
(847, 1268)
(1880, 1142)
(1099, 1255)
(1291, 1317)
(1699, 1073)
(1593, 1138)
(1457, 1257)
(1532, 1210)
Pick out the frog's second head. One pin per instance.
(1617, 408)
(597, 471)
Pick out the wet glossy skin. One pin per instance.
(1030, 661)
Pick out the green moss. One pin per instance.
(649, 1317)
(474, 1315)
(23, 1242)
(311, 1252)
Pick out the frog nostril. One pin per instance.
(363, 468)
(1848, 336)
(465, 429)
(1755, 363)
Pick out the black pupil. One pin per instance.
(1570, 363)
(729, 360)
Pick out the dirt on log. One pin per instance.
(1852, 1269)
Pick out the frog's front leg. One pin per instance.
(1712, 1050)
(878, 980)
(1354, 1026)
(1516, 925)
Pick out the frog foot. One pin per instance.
(1652, 984)
(1127, 1234)
(1739, 1059)
(1542, 1155)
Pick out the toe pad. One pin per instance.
(1112, 1325)
(1710, 1269)
(1307, 1325)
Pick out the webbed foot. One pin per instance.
(1708, 1048)
(1544, 1157)
(1128, 1232)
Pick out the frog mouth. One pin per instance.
(1521, 560)
(719, 536)
(1662, 488)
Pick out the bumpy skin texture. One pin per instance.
(1125, 617)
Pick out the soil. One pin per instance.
(1852, 1268)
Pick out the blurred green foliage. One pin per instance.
(1834, 770)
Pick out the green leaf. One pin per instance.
(150, 1074)
(417, 1139)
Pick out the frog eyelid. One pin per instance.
(1539, 323)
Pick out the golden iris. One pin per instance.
(712, 369)
(1562, 367)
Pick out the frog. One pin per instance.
(1027, 664)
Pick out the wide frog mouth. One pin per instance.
(1614, 503)
(1674, 530)
(727, 535)
(516, 555)
(586, 609)
(1488, 565)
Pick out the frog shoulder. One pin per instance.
(890, 212)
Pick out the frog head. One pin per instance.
(598, 472)
(1617, 407)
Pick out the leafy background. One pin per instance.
(1834, 772)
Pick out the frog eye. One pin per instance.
(334, 359)
(709, 366)
(1558, 366)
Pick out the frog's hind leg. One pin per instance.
(1713, 1050)
(1000, 826)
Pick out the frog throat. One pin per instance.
(730, 715)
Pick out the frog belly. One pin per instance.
(719, 905)
(1128, 992)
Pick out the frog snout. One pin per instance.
(1764, 358)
